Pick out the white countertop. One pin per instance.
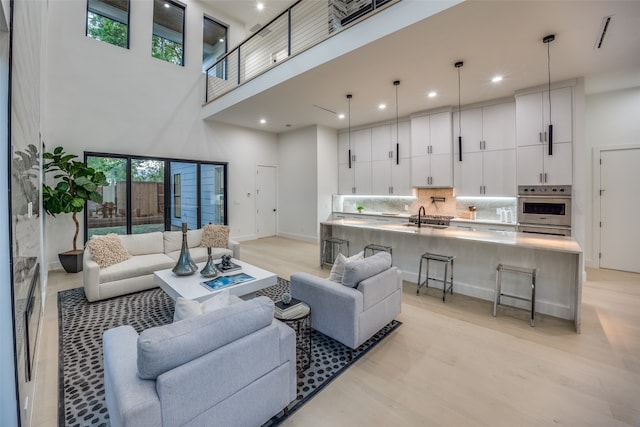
(407, 215)
(510, 238)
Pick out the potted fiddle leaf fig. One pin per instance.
(76, 184)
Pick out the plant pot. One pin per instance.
(71, 261)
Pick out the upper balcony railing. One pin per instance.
(303, 25)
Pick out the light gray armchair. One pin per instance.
(348, 314)
(235, 366)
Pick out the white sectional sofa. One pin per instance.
(149, 252)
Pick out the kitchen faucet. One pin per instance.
(421, 212)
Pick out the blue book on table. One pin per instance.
(224, 281)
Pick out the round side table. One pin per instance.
(300, 322)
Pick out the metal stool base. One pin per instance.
(447, 260)
(516, 270)
(335, 243)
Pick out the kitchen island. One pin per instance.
(478, 253)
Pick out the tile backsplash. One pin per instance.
(437, 201)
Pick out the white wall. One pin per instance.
(327, 172)
(611, 120)
(297, 183)
(108, 99)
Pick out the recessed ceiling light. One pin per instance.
(382, 106)
(432, 94)
(496, 79)
(166, 5)
(260, 6)
(221, 40)
(341, 116)
(263, 121)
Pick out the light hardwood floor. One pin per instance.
(453, 364)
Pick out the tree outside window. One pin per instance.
(168, 32)
(108, 21)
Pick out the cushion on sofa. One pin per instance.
(108, 250)
(173, 240)
(199, 254)
(337, 270)
(163, 348)
(135, 267)
(215, 236)
(357, 271)
(143, 244)
(185, 308)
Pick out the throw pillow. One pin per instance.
(215, 236)
(337, 270)
(357, 271)
(186, 308)
(108, 250)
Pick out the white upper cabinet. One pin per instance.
(380, 142)
(375, 168)
(390, 154)
(343, 148)
(488, 165)
(532, 117)
(361, 145)
(499, 126)
(470, 121)
(534, 163)
(431, 151)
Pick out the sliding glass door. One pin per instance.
(154, 194)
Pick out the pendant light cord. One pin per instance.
(549, 76)
(459, 107)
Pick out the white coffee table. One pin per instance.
(191, 287)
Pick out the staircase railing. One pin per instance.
(303, 25)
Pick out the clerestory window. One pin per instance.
(108, 21)
(214, 46)
(168, 31)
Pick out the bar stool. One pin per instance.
(516, 270)
(447, 260)
(377, 248)
(333, 243)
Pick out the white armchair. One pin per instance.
(347, 314)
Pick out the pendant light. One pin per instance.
(547, 40)
(459, 65)
(349, 96)
(396, 84)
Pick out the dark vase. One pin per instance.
(209, 269)
(185, 265)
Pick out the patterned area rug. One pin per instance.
(81, 323)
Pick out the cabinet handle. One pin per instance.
(481, 145)
(545, 137)
(390, 190)
(541, 178)
(545, 177)
(353, 190)
(540, 137)
(390, 154)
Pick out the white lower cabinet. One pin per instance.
(535, 166)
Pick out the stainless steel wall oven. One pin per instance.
(544, 209)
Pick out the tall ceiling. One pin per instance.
(491, 37)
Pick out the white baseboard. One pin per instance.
(545, 307)
(294, 236)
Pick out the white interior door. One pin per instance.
(266, 206)
(619, 207)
